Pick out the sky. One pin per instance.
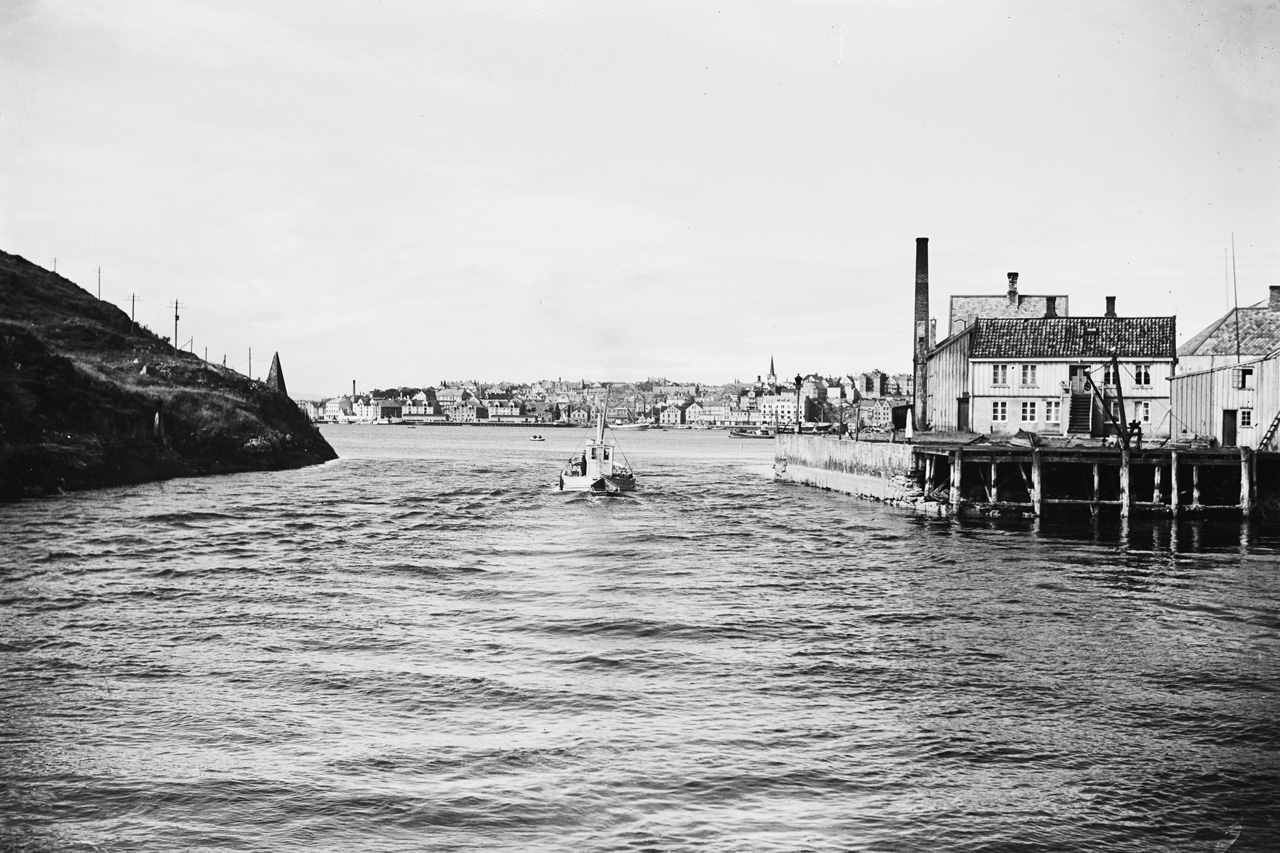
(400, 193)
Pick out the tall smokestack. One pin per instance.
(1111, 307)
(1013, 290)
(921, 348)
(353, 389)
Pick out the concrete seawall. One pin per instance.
(870, 469)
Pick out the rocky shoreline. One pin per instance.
(89, 400)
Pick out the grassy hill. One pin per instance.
(87, 401)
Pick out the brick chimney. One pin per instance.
(1111, 307)
(1013, 290)
(920, 334)
(1275, 297)
(1051, 306)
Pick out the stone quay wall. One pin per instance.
(878, 469)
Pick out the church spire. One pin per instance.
(773, 374)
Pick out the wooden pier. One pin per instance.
(974, 475)
(1163, 479)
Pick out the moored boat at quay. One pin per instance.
(762, 432)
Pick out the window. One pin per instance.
(1028, 411)
(1109, 376)
(1142, 375)
(1053, 411)
(1144, 412)
(1028, 374)
(1246, 418)
(999, 411)
(999, 374)
(1242, 377)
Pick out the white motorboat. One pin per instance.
(600, 468)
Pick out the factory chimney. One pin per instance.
(920, 394)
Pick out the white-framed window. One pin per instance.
(999, 411)
(1028, 375)
(1144, 412)
(999, 374)
(1246, 418)
(1109, 376)
(1028, 411)
(1053, 411)
(1142, 375)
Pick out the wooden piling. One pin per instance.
(1195, 486)
(1093, 507)
(956, 463)
(1124, 481)
(1246, 481)
(1036, 480)
(1173, 481)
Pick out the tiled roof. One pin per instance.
(1259, 333)
(1093, 338)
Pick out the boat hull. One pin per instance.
(611, 485)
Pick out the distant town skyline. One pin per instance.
(404, 190)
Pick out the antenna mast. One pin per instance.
(1236, 288)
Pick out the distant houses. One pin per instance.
(1012, 366)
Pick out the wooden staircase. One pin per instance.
(1080, 418)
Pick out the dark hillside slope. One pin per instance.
(86, 401)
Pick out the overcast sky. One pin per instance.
(404, 192)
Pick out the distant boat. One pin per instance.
(761, 432)
(619, 425)
(536, 438)
(597, 469)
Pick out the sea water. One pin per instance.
(426, 646)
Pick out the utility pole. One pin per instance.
(99, 282)
(133, 313)
(250, 362)
(55, 264)
(175, 324)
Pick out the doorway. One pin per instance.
(1229, 421)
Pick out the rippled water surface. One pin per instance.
(423, 645)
